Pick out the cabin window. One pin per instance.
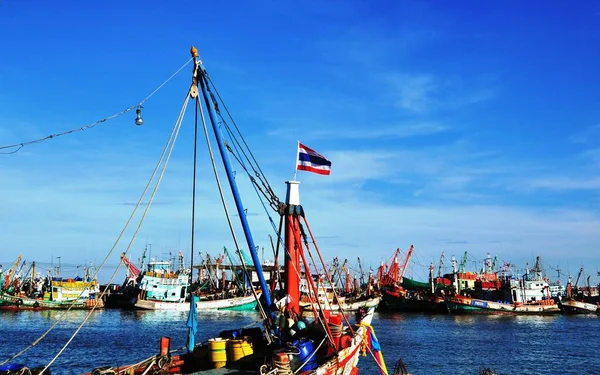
(154, 286)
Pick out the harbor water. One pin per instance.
(428, 344)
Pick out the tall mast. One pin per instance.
(201, 78)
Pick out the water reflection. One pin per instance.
(428, 344)
(156, 316)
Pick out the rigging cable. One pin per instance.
(170, 147)
(19, 146)
(326, 274)
(139, 202)
(222, 195)
(252, 160)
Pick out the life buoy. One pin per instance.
(36, 304)
(19, 302)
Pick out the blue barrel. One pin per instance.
(305, 346)
(12, 367)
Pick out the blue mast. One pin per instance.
(234, 190)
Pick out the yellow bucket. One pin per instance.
(237, 349)
(218, 353)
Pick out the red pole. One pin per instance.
(292, 261)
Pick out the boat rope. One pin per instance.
(258, 171)
(320, 314)
(169, 149)
(205, 84)
(242, 147)
(235, 279)
(222, 196)
(193, 223)
(149, 367)
(166, 152)
(326, 273)
(19, 146)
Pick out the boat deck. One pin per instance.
(224, 371)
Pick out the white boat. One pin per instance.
(235, 303)
(350, 306)
(571, 306)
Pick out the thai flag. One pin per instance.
(311, 161)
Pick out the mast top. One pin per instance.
(292, 196)
(194, 51)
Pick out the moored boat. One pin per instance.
(161, 288)
(55, 294)
(350, 306)
(235, 303)
(466, 305)
(9, 302)
(327, 344)
(571, 306)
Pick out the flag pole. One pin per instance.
(296, 161)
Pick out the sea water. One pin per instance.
(428, 344)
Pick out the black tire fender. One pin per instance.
(19, 302)
(36, 304)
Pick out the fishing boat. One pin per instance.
(329, 301)
(283, 343)
(65, 294)
(162, 288)
(459, 304)
(49, 293)
(572, 306)
(578, 301)
(523, 297)
(400, 293)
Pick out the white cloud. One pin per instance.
(426, 93)
(416, 93)
(590, 134)
(565, 183)
(376, 131)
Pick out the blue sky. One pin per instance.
(454, 126)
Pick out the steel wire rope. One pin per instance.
(280, 239)
(61, 317)
(326, 274)
(222, 196)
(204, 83)
(416, 260)
(309, 283)
(296, 271)
(89, 126)
(235, 152)
(238, 130)
(268, 191)
(257, 189)
(268, 186)
(171, 146)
